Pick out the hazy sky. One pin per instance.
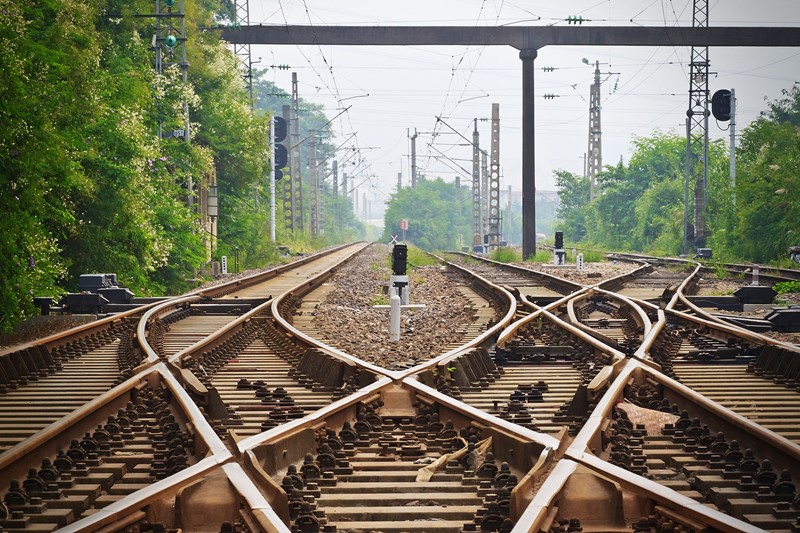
(394, 90)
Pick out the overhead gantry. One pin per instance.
(528, 40)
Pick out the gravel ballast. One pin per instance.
(424, 333)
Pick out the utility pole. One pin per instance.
(733, 145)
(345, 192)
(287, 181)
(335, 169)
(399, 181)
(697, 135)
(241, 15)
(414, 160)
(485, 191)
(314, 179)
(167, 37)
(595, 151)
(356, 212)
(477, 226)
(296, 160)
(494, 179)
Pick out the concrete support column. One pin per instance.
(528, 156)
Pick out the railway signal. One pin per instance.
(280, 155)
(721, 105)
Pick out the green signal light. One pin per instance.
(171, 41)
(169, 3)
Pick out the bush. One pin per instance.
(506, 255)
(784, 287)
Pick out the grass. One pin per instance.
(380, 299)
(418, 258)
(720, 271)
(593, 256)
(542, 256)
(785, 287)
(506, 255)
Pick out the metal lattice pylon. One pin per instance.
(697, 131)
(242, 51)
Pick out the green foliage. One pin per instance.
(439, 216)
(720, 271)
(86, 184)
(573, 194)
(767, 195)
(784, 287)
(506, 255)
(541, 256)
(418, 258)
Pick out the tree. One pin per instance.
(573, 196)
(439, 216)
(767, 192)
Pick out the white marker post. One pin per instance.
(394, 318)
(579, 262)
(224, 261)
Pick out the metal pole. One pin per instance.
(414, 160)
(528, 156)
(272, 181)
(686, 186)
(733, 145)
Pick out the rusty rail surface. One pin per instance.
(538, 424)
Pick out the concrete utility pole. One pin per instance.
(399, 181)
(528, 40)
(287, 181)
(414, 160)
(595, 151)
(697, 137)
(494, 179)
(477, 225)
(296, 159)
(314, 179)
(485, 190)
(335, 169)
(733, 145)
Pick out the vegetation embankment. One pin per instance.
(87, 183)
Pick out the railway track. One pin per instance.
(607, 407)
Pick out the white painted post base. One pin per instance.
(394, 318)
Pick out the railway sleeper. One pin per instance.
(779, 364)
(687, 455)
(140, 445)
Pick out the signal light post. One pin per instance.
(280, 158)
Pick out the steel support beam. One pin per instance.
(528, 157)
(527, 39)
(519, 37)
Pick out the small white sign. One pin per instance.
(224, 264)
(579, 262)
